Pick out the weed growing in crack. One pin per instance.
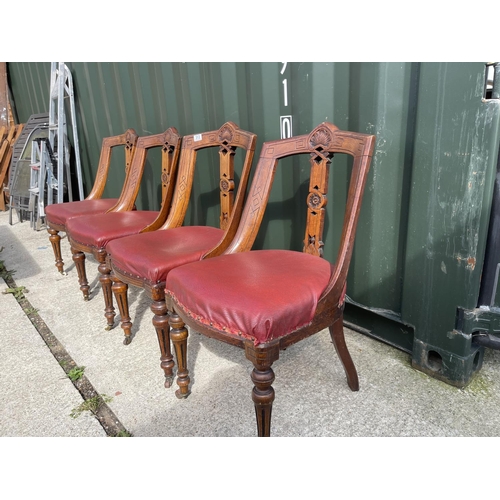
(76, 373)
(123, 434)
(91, 404)
(4, 273)
(3, 270)
(18, 291)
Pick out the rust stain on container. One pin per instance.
(471, 263)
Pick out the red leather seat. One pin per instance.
(172, 248)
(96, 231)
(272, 293)
(62, 212)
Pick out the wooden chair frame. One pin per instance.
(321, 144)
(128, 140)
(169, 142)
(228, 138)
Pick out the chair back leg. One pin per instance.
(338, 339)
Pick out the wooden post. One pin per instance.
(4, 96)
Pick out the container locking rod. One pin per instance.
(486, 340)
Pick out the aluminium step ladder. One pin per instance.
(61, 87)
(50, 172)
(42, 180)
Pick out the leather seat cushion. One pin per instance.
(259, 295)
(98, 230)
(151, 256)
(59, 213)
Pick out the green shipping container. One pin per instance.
(419, 258)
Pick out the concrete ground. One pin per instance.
(312, 398)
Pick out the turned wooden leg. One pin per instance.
(162, 327)
(106, 284)
(55, 240)
(179, 335)
(337, 334)
(263, 397)
(262, 378)
(79, 260)
(119, 289)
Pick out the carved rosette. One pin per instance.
(226, 185)
(320, 141)
(316, 200)
(322, 137)
(165, 177)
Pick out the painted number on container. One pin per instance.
(285, 120)
(286, 126)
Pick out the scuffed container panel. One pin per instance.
(423, 224)
(456, 152)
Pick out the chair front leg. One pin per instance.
(179, 336)
(262, 377)
(55, 241)
(120, 289)
(162, 327)
(337, 335)
(79, 260)
(106, 284)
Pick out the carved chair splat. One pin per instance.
(58, 214)
(91, 234)
(144, 260)
(276, 297)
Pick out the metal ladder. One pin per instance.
(50, 172)
(61, 86)
(42, 180)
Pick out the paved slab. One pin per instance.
(36, 396)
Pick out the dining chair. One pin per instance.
(144, 260)
(56, 215)
(91, 233)
(267, 300)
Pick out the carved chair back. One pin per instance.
(169, 141)
(321, 144)
(228, 139)
(129, 141)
